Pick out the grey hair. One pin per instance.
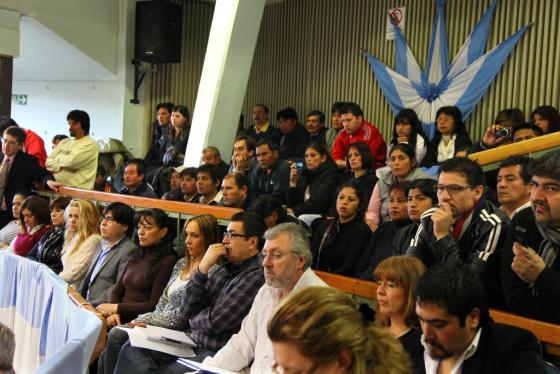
(7, 349)
(299, 239)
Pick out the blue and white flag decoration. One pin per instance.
(461, 84)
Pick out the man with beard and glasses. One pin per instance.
(458, 334)
(286, 258)
(531, 265)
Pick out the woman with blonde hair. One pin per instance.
(320, 329)
(396, 278)
(81, 237)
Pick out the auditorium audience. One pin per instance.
(7, 349)
(286, 259)
(33, 145)
(500, 132)
(525, 131)
(312, 187)
(396, 279)
(407, 128)
(174, 192)
(135, 180)
(531, 265)
(235, 191)
(337, 243)
(81, 237)
(294, 137)
(421, 196)
(380, 246)
(18, 171)
(356, 129)
(547, 118)
(48, 250)
(336, 125)
(141, 282)
(200, 232)
(514, 185)
(111, 254)
(243, 158)
(272, 174)
(176, 138)
(359, 168)
(35, 222)
(402, 168)
(73, 162)
(451, 138)
(188, 185)
(208, 182)
(320, 330)
(214, 302)
(465, 227)
(261, 128)
(271, 210)
(458, 333)
(211, 156)
(11, 229)
(316, 127)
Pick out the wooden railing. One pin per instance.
(490, 159)
(547, 333)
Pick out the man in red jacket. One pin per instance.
(358, 130)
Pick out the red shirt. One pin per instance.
(368, 134)
(35, 146)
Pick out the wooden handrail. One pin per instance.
(547, 333)
(531, 146)
(221, 213)
(101, 340)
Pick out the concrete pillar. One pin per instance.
(231, 45)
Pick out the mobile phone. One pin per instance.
(520, 235)
(299, 164)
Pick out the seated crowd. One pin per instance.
(443, 239)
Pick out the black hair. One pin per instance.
(287, 113)
(141, 166)
(253, 225)
(527, 125)
(402, 186)
(270, 143)
(81, 117)
(409, 117)
(262, 106)
(183, 110)
(362, 205)
(58, 138)
(239, 178)
(319, 147)
(337, 107)
(365, 151)
(122, 214)
(510, 117)
(164, 248)
(249, 142)
(167, 106)
(426, 186)
(465, 167)
(349, 107)
(264, 205)
(191, 172)
(317, 112)
(59, 203)
(457, 288)
(39, 208)
(16, 132)
(6, 122)
(407, 150)
(546, 166)
(524, 163)
(454, 112)
(551, 114)
(212, 171)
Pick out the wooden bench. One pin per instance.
(547, 333)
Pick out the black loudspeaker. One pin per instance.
(158, 31)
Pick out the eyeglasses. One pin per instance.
(452, 189)
(274, 256)
(229, 235)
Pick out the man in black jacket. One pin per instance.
(458, 334)
(294, 136)
(464, 227)
(531, 265)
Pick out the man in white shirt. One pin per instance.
(73, 162)
(286, 259)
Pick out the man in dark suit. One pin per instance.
(111, 254)
(458, 333)
(18, 171)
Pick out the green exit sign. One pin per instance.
(19, 99)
